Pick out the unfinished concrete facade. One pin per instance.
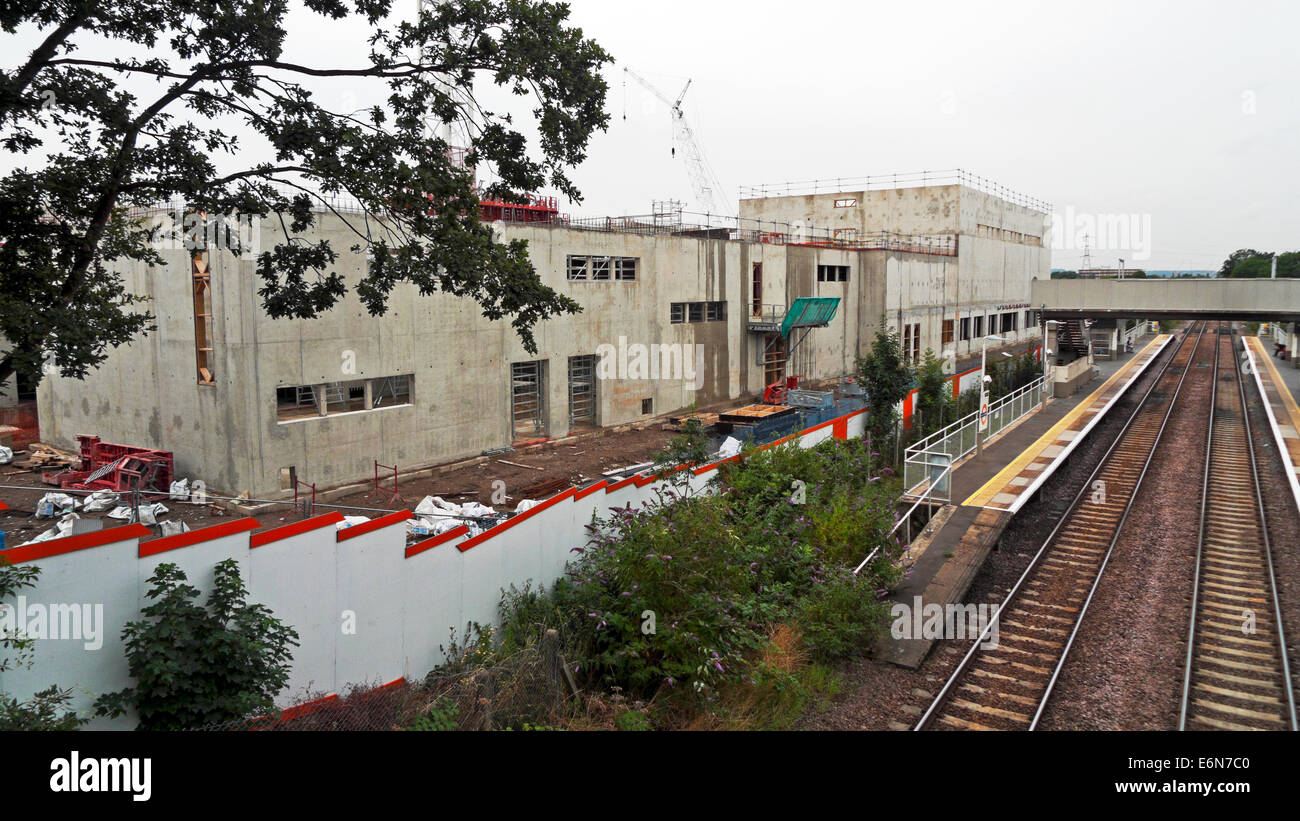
(1002, 246)
(670, 320)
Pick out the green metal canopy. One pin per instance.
(810, 312)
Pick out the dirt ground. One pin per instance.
(547, 469)
(537, 472)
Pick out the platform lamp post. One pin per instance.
(984, 392)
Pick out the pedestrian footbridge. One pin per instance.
(1149, 298)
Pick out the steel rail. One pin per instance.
(1287, 683)
(962, 666)
(1119, 528)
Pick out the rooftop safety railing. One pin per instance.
(885, 182)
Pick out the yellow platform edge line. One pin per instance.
(1288, 401)
(999, 482)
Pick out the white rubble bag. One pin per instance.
(437, 506)
(63, 528)
(179, 490)
(173, 528)
(729, 448)
(99, 501)
(526, 504)
(148, 513)
(6, 455)
(349, 521)
(476, 509)
(53, 505)
(431, 526)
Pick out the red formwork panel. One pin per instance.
(109, 466)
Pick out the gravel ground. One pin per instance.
(1125, 669)
(1283, 523)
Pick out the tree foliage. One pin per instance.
(208, 111)
(195, 666)
(1249, 263)
(934, 400)
(886, 378)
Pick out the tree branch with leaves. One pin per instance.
(90, 139)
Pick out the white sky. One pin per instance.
(1186, 114)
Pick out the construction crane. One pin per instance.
(708, 191)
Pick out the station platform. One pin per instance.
(994, 485)
(1282, 410)
(1016, 484)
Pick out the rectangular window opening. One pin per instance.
(527, 400)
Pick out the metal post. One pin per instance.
(984, 398)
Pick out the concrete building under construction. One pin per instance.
(676, 313)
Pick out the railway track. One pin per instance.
(1237, 674)
(1007, 686)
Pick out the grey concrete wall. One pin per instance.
(229, 435)
(992, 270)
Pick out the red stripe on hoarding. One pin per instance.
(373, 525)
(69, 544)
(193, 537)
(275, 534)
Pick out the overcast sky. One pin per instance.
(1186, 112)
(1183, 114)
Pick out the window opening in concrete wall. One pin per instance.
(912, 341)
(344, 397)
(979, 326)
(774, 359)
(947, 331)
(389, 391)
(647, 406)
(756, 293)
(527, 394)
(679, 312)
(296, 402)
(847, 202)
(577, 267)
(965, 328)
(604, 269)
(288, 477)
(582, 392)
(993, 324)
(832, 273)
(203, 357)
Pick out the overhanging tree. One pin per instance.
(90, 138)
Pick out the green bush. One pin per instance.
(777, 543)
(195, 666)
